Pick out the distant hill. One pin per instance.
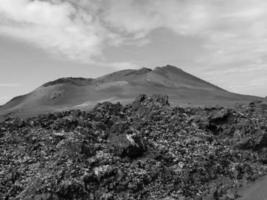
(182, 88)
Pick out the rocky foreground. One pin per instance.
(146, 150)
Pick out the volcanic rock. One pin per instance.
(145, 150)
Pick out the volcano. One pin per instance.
(123, 86)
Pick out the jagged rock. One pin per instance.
(157, 100)
(263, 155)
(218, 119)
(71, 189)
(145, 150)
(255, 142)
(127, 145)
(45, 196)
(263, 142)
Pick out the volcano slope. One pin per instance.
(123, 86)
(146, 150)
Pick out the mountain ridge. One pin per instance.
(184, 89)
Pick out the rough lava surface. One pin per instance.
(146, 150)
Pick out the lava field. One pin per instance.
(147, 150)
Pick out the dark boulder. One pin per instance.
(218, 119)
(71, 189)
(126, 145)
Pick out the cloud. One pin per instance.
(55, 26)
(122, 65)
(233, 32)
(10, 85)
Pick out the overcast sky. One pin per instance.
(222, 41)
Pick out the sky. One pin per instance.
(221, 41)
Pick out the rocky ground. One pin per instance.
(146, 150)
